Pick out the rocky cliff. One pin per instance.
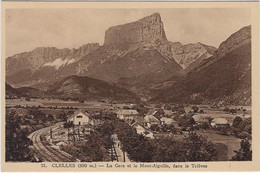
(149, 29)
(224, 78)
(137, 55)
(46, 56)
(236, 40)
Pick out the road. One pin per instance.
(45, 152)
(120, 154)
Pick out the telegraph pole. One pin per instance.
(51, 134)
(78, 131)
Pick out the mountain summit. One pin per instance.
(136, 55)
(148, 29)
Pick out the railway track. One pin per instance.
(47, 153)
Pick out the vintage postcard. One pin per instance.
(130, 86)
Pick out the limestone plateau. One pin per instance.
(149, 30)
(139, 57)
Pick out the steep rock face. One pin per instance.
(136, 55)
(224, 78)
(149, 29)
(236, 40)
(46, 56)
(185, 55)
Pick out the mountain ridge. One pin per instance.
(220, 79)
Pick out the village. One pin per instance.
(153, 122)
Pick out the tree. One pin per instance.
(226, 110)
(198, 148)
(244, 110)
(81, 100)
(237, 121)
(233, 111)
(167, 107)
(50, 117)
(62, 116)
(38, 115)
(205, 125)
(155, 127)
(27, 98)
(186, 121)
(202, 111)
(159, 114)
(195, 109)
(244, 153)
(168, 150)
(17, 144)
(126, 107)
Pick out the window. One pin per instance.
(79, 116)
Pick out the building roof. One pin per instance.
(168, 112)
(200, 118)
(220, 121)
(139, 119)
(79, 112)
(127, 112)
(168, 120)
(151, 112)
(151, 118)
(135, 125)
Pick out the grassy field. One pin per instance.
(231, 142)
(55, 102)
(219, 113)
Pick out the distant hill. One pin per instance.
(23, 92)
(223, 78)
(86, 87)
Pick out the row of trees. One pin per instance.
(96, 145)
(16, 142)
(141, 149)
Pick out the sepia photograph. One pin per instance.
(141, 85)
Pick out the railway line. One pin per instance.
(45, 152)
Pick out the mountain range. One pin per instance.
(138, 57)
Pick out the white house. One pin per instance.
(80, 118)
(200, 119)
(220, 122)
(140, 129)
(150, 119)
(126, 114)
(165, 120)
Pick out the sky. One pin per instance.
(27, 29)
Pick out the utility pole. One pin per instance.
(78, 131)
(124, 155)
(68, 134)
(51, 134)
(111, 153)
(73, 131)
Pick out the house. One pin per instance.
(140, 129)
(138, 119)
(165, 120)
(150, 119)
(126, 114)
(168, 112)
(200, 119)
(81, 118)
(219, 122)
(162, 135)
